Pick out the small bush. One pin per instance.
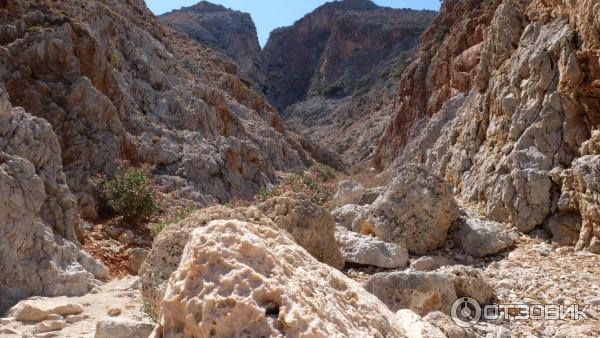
(130, 193)
(319, 191)
(323, 172)
(332, 91)
(264, 194)
(149, 311)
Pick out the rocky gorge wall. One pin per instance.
(519, 139)
(231, 32)
(116, 84)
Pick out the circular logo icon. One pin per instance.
(466, 312)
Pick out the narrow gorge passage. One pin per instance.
(171, 169)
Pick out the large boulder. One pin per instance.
(348, 192)
(239, 278)
(368, 250)
(168, 246)
(421, 292)
(310, 225)
(481, 238)
(424, 292)
(416, 211)
(38, 229)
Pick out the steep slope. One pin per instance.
(115, 84)
(521, 140)
(231, 32)
(331, 70)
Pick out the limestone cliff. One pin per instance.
(520, 138)
(38, 215)
(231, 32)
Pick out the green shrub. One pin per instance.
(319, 191)
(323, 172)
(332, 91)
(149, 311)
(130, 193)
(264, 194)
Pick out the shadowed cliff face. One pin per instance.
(293, 54)
(230, 32)
(337, 49)
(331, 71)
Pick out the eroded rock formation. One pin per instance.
(514, 139)
(38, 215)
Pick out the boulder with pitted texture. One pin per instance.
(239, 278)
(310, 225)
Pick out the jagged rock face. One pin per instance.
(115, 84)
(331, 71)
(38, 228)
(240, 278)
(226, 30)
(447, 61)
(509, 145)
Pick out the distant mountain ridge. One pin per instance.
(328, 72)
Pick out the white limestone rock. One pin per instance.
(421, 292)
(38, 309)
(348, 192)
(38, 228)
(239, 278)
(368, 250)
(481, 238)
(416, 326)
(311, 226)
(416, 211)
(429, 263)
(123, 328)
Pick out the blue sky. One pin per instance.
(270, 14)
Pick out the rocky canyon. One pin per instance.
(368, 172)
